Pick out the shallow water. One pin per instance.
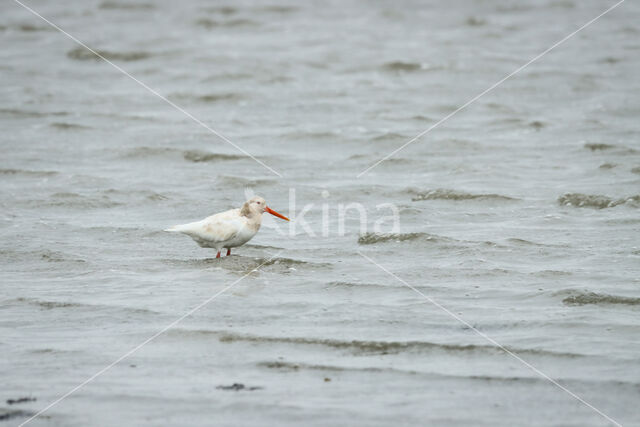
(520, 214)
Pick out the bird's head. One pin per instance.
(257, 206)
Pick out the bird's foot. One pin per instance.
(218, 256)
(228, 252)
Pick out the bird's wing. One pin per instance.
(216, 228)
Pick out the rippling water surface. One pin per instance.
(520, 214)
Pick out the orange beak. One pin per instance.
(274, 213)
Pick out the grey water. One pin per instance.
(520, 214)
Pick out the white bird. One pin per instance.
(228, 229)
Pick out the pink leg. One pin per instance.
(228, 251)
(218, 256)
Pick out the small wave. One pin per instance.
(508, 121)
(389, 136)
(282, 265)
(21, 400)
(291, 366)
(401, 66)
(82, 54)
(284, 366)
(585, 200)
(24, 113)
(348, 285)
(48, 350)
(68, 126)
(287, 262)
(211, 23)
(358, 346)
(197, 156)
(422, 118)
(456, 145)
(227, 76)
(275, 79)
(398, 161)
(472, 21)
(294, 367)
(595, 201)
(153, 196)
(138, 194)
(383, 347)
(44, 255)
(10, 414)
(243, 264)
(599, 299)
(373, 238)
(444, 194)
(306, 135)
(51, 305)
(51, 256)
(609, 147)
(636, 170)
(253, 245)
(223, 10)
(599, 147)
(80, 201)
(536, 124)
(208, 98)
(610, 60)
(238, 181)
(29, 28)
(128, 117)
(278, 9)
(56, 304)
(144, 152)
(551, 273)
(27, 172)
(523, 242)
(114, 5)
(230, 10)
(501, 107)
(238, 387)
(607, 166)
(517, 241)
(212, 97)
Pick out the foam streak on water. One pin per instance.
(519, 214)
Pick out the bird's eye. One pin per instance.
(258, 202)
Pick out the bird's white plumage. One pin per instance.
(227, 229)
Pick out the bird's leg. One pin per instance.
(228, 251)
(218, 256)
